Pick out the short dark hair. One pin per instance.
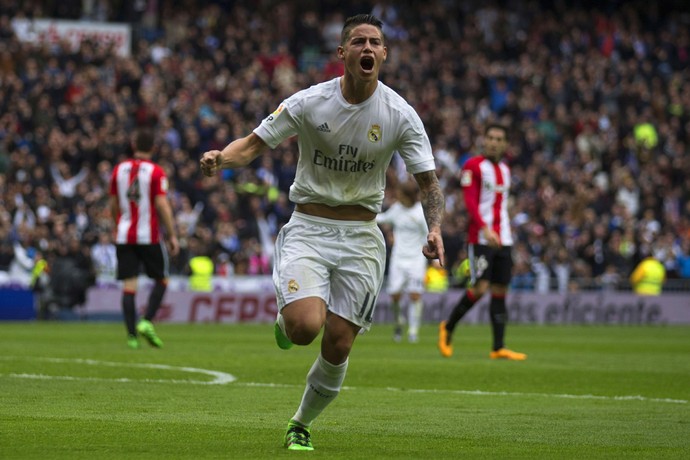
(144, 140)
(359, 19)
(496, 126)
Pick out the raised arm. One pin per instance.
(239, 152)
(433, 205)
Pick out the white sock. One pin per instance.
(415, 315)
(324, 381)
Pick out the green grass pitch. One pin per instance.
(74, 390)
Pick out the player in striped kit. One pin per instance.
(138, 199)
(485, 181)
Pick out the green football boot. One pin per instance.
(146, 329)
(281, 339)
(298, 437)
(133, 342)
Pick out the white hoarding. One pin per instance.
(55, 31)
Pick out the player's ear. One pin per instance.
(341, 53)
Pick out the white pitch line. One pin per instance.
(223, 378)
(544, 395)
(98, 379)
(219, 378)
(486, 393)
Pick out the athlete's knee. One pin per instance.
(302, 330)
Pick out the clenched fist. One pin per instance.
(210, 162)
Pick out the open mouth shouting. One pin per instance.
(367, 63)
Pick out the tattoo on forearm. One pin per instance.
(431, 198)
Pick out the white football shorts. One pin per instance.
(406, 276)
(341, 262)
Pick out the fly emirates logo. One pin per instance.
(345, 160)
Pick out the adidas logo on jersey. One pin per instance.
(323, 128)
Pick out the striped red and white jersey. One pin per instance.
(136, 183)
(486, 187)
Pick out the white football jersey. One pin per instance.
(407, 265)
(409, 232)
(345, 148)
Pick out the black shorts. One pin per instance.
(130, 257)
(492, 264)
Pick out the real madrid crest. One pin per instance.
(293, 286)
(374, 134)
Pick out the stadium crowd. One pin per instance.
(596, 96)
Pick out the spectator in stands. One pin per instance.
(523, 278)
(6, 257)
(648, 277)
(610, 279)
(65, 181)
(259, 263)
(71, 272)
(104, 257)
(224, 266)
(201, 266)
(436, 278)
(22, 262)
(683, 260)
